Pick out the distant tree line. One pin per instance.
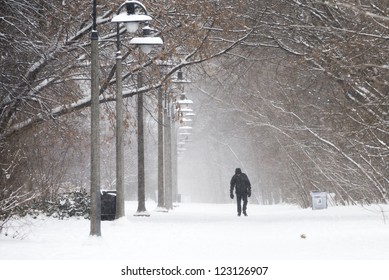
(307, 94)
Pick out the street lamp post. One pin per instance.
(131, 19)
(95, 212)
(168, 155)
(161, 177)
(162, 134)
(182, 102)
(141, 211)
(120, 210)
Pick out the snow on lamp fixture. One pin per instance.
(130, 19)
(148, 42)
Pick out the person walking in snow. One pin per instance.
(241, 183)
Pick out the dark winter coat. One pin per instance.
(241, 183)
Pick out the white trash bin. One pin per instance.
(319, 200)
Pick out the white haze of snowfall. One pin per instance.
(195, 231)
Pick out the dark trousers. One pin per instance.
(239, 199)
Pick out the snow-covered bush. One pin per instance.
(66, 205)
(74, 204)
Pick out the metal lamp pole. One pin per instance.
(161, 182)
(131, 19)
(168, 155)
(95, 212)
(120, 209)
(141, 211)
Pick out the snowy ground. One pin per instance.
(340, 243)
(210, 232)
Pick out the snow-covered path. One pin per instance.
(211, 232)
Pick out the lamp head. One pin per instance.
(148, 42)
(131, 21)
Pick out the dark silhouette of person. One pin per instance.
(241, 183)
